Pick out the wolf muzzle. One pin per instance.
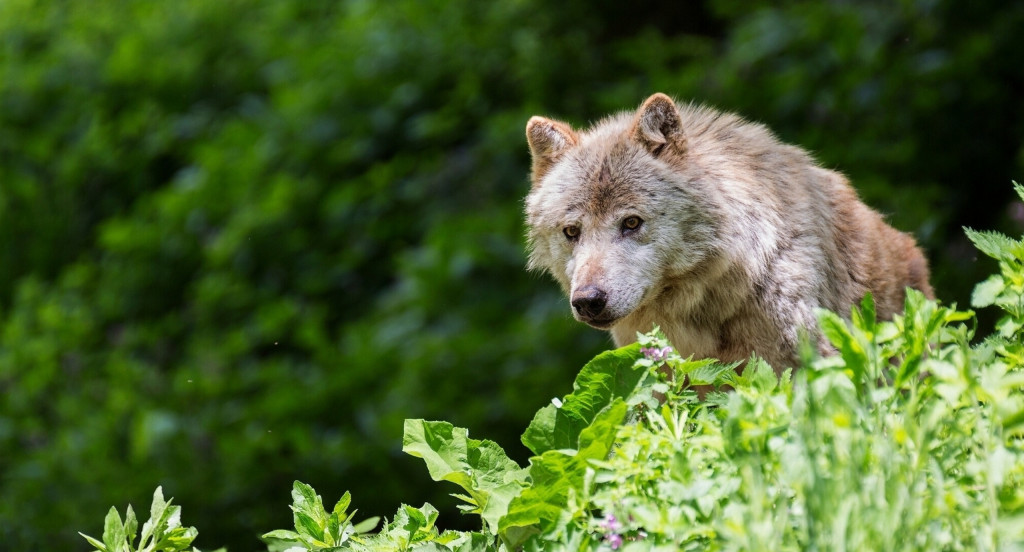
(589, 303)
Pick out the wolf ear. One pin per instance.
(548, 140)
(658, 125)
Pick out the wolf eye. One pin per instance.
(572, 232)
(630, 224)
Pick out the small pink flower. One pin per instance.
(611, 526)
(656, 354)
(609, 523)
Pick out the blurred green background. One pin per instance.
(241, 241)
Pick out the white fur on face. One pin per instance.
(742, 236)
(628, 268)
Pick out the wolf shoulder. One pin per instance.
(817, 208)
(708, 225)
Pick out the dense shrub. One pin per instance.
(241, 241)
(909, 438)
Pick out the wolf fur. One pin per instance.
(708, 226)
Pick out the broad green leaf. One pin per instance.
(988, 291)
(308, 514)
(305, 499)
(542, 506)
(596, 439)
(610, 375)
(481, 468)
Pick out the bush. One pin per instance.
(910, 438)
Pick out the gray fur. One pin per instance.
(742, 235)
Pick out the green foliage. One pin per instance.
(255, 236)
(315, 529)
(608, 376)
(1005, 289)
(162, 532)
(481, 468)
(909, 438)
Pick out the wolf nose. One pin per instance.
(589, 301)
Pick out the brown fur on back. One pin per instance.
(740, 237)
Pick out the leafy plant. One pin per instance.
(315, 529)
(162, 532)
(909, 438)
(318, 531)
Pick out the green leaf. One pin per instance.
(481, 468)
(414, 524)
(306, 525)
(709, 372)
(842, 338)
(343, 503)
(366, 525)
(177, 539)
(1013, 423)
(986, 292)
(156, 513)
(542, 506)
(308, 512)
(757, 375)
(996, 245)
(596, 439)
(95, 543)
(113, 531)
(131, 525)
(305, 499)
(610, 375)
(471, 542)
(863, 316)
(333, 533)
(282, 534)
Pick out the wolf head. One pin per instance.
(619, 212)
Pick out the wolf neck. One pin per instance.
(715, 309)
(696, 309)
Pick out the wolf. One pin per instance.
(708, 226)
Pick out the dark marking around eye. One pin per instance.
(631, 224)
(572, 233)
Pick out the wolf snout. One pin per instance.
(589, 302)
